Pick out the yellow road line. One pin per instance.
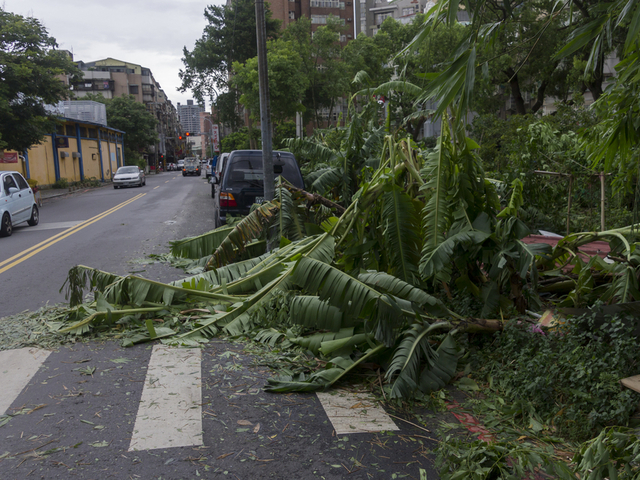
(62, 235)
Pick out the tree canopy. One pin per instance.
(230, 36)
(132, 117)
(30, 67)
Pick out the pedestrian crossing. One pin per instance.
(169, 406)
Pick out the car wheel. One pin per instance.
(115, 187)
(6, 228)
(35, 217)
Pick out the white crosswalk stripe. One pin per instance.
(352, 412)
(170, 412)
(17, 367)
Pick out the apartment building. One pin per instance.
(114, 78)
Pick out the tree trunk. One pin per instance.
(540, 97)
(515, 91)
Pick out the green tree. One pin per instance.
(322, 64)
(132, 117)
(29, 70)
(287, 82)
(230, 36)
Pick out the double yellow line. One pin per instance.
(30, 252)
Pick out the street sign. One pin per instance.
(215, 138)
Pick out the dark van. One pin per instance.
(240, 184)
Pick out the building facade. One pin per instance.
(114, 78)
(76, 151)
(189, 116)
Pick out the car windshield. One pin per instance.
(127, 170)
(247, 172)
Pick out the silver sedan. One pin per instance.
(130, 176)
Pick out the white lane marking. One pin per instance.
(55, 225)
(17, 368)
(170, 411)
(352, 412)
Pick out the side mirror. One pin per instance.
(13, 190)
(213, 180)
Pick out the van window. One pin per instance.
(246, 172)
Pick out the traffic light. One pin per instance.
(187, 134)
(180, 137)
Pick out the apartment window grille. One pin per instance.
(327, 4)
(292, 15)
(319, 19)
(133, 89)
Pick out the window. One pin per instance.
(93, 133)
(22, 184)
(8, 182)
(407, 11)
(319, 19)
(292, 15)
(327, 4)
(343, 38)
(83, 132)
(133, 89)
(71, 130)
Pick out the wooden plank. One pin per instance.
(632, 383)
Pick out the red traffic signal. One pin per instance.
(180, 137)
(187, 134)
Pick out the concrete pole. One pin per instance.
(265, 109)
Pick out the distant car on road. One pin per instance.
(17, 203)
(191, 167)
(129, 176)
(171, 167)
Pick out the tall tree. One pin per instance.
(230, 36)
(287, 82)
(30, 67)
(321, 63)
(132, 117)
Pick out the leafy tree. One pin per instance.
(29, 70)
(132, 117)
(230, 36)
(321, 63)
(287, 82)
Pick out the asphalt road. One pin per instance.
(79, 412)
(102, 228)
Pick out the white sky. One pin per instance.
(151, 33)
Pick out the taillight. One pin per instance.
(227, 200)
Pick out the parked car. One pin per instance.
(129, 176)
(242, 181)
(217, 171)
(17, 203)
(191, 167)
(171, 167)
(210, 166)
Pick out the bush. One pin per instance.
(61, 183)
(569, 376)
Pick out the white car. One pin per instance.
(130, 176)
(17, 203)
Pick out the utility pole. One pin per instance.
(265, 109)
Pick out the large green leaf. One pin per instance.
(201, 245)
(401, 232)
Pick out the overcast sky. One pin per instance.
(151, 33)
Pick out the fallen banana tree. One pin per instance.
(363, 287)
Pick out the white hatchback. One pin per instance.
(17, 203)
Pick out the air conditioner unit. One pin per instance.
(64, 154)
(75, 155)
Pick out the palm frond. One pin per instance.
(443, 367)
(249, 228)
(312, 312)
(414, 349)
(201, 245)
(402, 227)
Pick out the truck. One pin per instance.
(191, 166)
